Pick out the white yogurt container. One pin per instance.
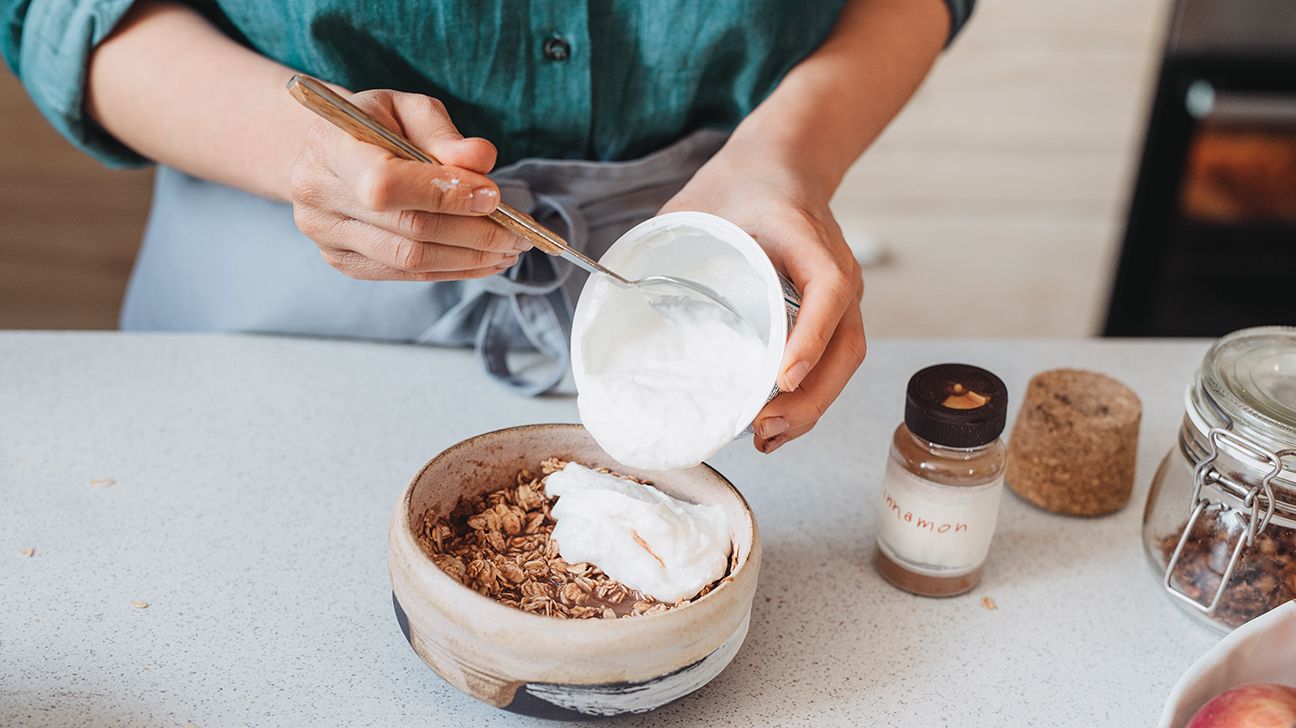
(699, 247)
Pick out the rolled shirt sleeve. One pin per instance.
(960, 11)
(48, 43)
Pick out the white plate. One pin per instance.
(1260, 651)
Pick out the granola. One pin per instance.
(1264, 577)
(499, 545)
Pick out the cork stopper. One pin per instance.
(1075, 443)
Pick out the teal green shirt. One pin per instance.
(591, 79)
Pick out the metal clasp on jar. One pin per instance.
(1249, 495)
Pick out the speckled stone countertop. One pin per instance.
(252, 479)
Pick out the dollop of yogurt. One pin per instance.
(671, 393)
(664, 547)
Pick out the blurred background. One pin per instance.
(1005, 201)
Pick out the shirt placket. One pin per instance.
(561, 54)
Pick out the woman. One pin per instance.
(592, 116)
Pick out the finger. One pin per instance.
(827, 293)
(378, 181)
(793, 414)
(317, 193)
(457, 230)
(362, 267)
(426, 122)
(414, 256)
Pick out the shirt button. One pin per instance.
(557, 49)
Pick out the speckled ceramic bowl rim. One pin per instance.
(427, 564)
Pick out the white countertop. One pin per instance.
(254, 477)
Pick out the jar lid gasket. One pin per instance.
(1251, 376)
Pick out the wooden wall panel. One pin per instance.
(1000, 192)
(69, 227)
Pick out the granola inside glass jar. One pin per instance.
(1220, 523)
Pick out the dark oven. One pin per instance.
(1210, 242)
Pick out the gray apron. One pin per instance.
(218, 259)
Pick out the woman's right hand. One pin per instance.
(377, 217)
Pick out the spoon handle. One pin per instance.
(345, 115)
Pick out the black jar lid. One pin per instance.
(956, 405)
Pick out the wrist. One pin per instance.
(810, 127)
(783, 156)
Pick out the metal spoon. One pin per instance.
(671, 291)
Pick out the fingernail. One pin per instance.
(771, 427)
(522, 245)
(795, 374)
(483, 199)
(507, 264)
(774, 444)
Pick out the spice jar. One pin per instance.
(939, 498)
(1220, 522)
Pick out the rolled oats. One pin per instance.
(499, 545)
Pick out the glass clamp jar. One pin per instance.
(1220, 523)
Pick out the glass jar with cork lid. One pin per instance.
(939, 499)
(1220, 522)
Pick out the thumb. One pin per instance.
(474, 153)
(427, 123)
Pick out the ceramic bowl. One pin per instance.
(1260, 651)
(553, 667)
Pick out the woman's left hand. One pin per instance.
(788, 215)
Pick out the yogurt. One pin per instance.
(671, 393)
(662, 392)
(664, 547)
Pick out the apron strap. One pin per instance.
(529, 299)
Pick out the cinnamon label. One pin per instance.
(934, 529)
